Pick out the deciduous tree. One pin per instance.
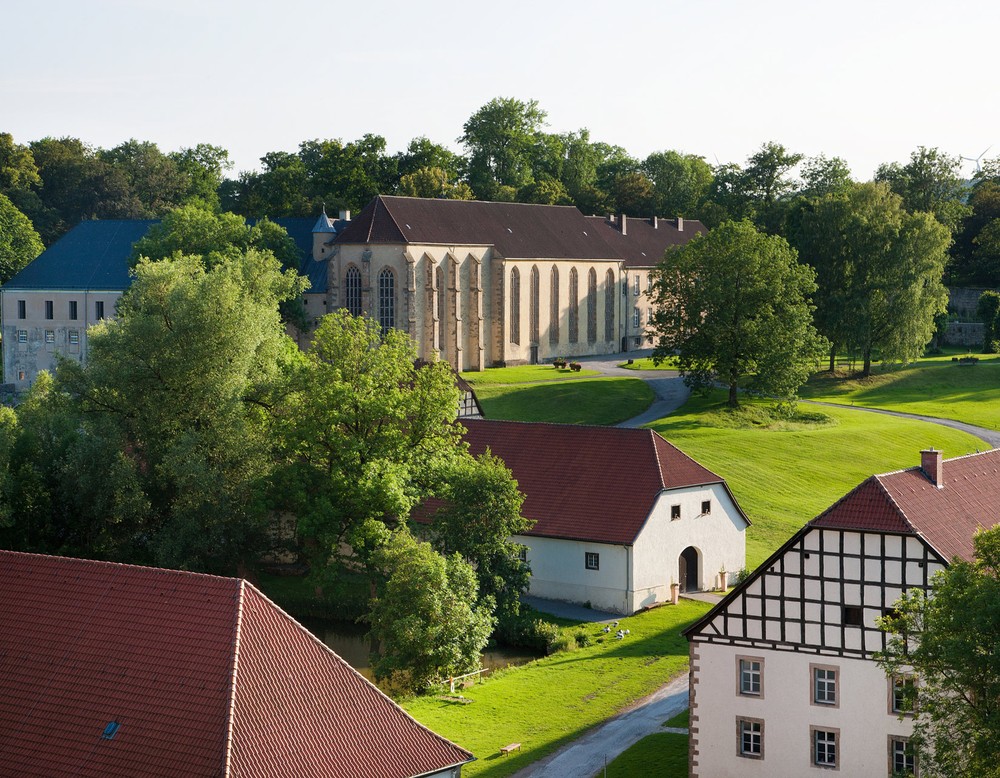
(500, 138)
(19, 243)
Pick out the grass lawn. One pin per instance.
(682, 719)
(524, 374)
(664, 755)
(587, 401)
(933, 386)
(646, 363)
(784, 477)
(552, 701)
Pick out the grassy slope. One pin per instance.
(525, 374)
(587, 401)
(664, 755)
(934, 386)
(548, 703)
(784, 478)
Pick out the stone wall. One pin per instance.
(964, 299)
(963, 333)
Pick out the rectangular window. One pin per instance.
(22, 336)
(636, 286)
(824, 746)
(50, 336)
(522, 553)
(750, 738)
(72, 310)
(592, 561)
(902, 760)
(636, 317)
(751, 680)
(706, 507)
(902, 694)
(824, 685)
(853, 615)
(49, 314)
(649, 316)
(22, 309)
(675, 512)
(99, 309)
(74, 337)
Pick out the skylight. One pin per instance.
(111, 730)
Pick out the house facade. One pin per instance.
(118, 670)
(783, 680)
(620, 514)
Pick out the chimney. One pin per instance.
(655, 222)
(345, 216)
(931, 464)
(680, 224)
(624, 224)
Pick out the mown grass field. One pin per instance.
(786, 474)
(548, 703)
(523, 374)
(646, 363)
(584, 401)
(932, 386)
(664, 755)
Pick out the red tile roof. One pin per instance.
(204, 674)
(645, 240)
(587, 483)
(907, 502)
(517, 230)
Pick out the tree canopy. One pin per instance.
(947, 638)
(733, 305)
(19, 243)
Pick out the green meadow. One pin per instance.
(552, 701)
(601, 401)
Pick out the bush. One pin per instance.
(563, 643)
(582, 639)
(742, 575)
(526, 630)
(559, 363)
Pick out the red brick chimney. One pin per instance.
(931, 464)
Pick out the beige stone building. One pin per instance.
(484, 284)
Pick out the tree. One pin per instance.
(929, 182)
(203, 167)
(500, 138)
(988, 311)
(760, 191)
(427, 617)
(18, 171)
(680, 182)
(733, 304)
(19, 243)
(433, 182)
(180, 384)
(155, 182)
(947, 637)
(480, 511)
(822, 175)
(422, 153)
(879, 270)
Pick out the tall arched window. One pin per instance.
(609, 306)
(515, 306)
(554, 307)
(352, 291)
(574, 306)
(592, 306)
(386, 299)
(442, 326)
(533, 313)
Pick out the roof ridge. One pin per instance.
(231, 713)
(382, 202)
(896, 505)
(653, 435)
(128, 565)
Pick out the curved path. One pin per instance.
(667, 385)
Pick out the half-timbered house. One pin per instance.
(783, 680)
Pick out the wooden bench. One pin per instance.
(512, 747)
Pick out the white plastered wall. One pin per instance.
(558, 572)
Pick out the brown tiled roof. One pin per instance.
(907, 502)
(644, 244)
(587, 483)
(205, 676)
(517, 230)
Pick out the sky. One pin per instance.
(865, 81)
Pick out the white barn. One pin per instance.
(621, 514)
(782, 678)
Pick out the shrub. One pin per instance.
(582, 639)
(576, 367)
(743, 574)
(559, 363)
(564, 643)
(526, 630)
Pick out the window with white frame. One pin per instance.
(902, 694)
(386, 299)
(902, 760)
(751, 676)
(636, 317)
(825, 746)
(74, 337)
(592, 560)
(824, 684)
(750, 738)
(635, 286)
(50, 336)
(22, 336)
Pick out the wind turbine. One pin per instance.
(976, 159)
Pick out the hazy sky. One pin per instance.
(867, 81)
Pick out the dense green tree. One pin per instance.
(680, 182)
(988, 312)
(155, 182)
(19, 243)
(422, 153)
(929, 182)
(426, 617)
(733, 305)
(879, 270)
(433, 182)
(204, 167)
(976, 251)
(545, 191)
(348, 175)
(579, 172)
(480, 510)
(947, 638)
(18, 171)
(500, 138)
(823, 175)
(759, 191)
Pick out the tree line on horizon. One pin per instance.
(508, 156)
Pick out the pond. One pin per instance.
(348, 641)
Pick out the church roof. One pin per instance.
(517, 230)
(907, 502)
(323, 223)
(111, 669)
(644, 240)
(587, 483)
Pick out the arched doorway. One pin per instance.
(687, 569)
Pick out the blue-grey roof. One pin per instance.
(323, 224)
(91, 256)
